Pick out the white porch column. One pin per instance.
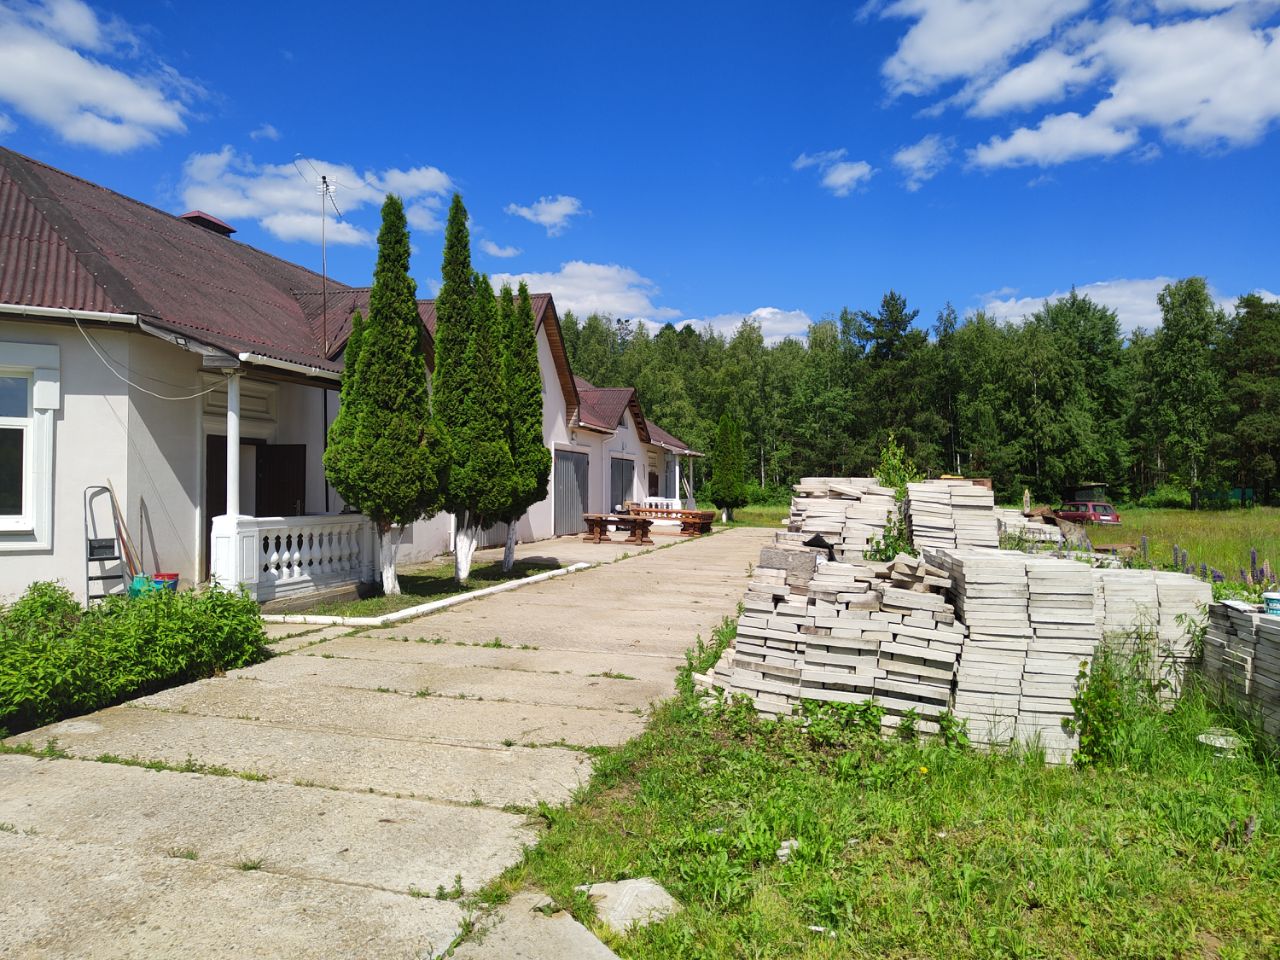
(233, 445)
(677, 494)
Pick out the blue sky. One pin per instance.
(694, 161)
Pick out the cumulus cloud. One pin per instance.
(497, 250)
(553, 213)
(1133, 300)
(231, 185)
(265, 132)
(838, 175)
(923, 160)
(84, 77)
(775, 323)
(1196, 73)
(958, 39)
(605, 288)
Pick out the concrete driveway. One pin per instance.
(330, 802)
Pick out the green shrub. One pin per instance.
(57, 659)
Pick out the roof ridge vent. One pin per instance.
(209, 222)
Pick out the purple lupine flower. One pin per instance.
(1204, 571)
(1218, 576)
(1253, 562)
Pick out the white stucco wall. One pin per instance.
(539, 522)
(89, 439)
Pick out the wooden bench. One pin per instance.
(598, 525)
(693, 523)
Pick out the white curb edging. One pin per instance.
(422, 608)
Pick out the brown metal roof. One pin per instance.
(658, 435)
(65, 242)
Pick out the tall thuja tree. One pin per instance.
(468, 397)
(522, 380)
(1188, 379)
(727, 489)
(384, 457)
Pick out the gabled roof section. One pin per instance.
(603, 407)
(65, 242)
(670, 441)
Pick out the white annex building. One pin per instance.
(153, 361)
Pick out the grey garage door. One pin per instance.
(571, 491)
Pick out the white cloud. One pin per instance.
(1196, 73)
(1134, 301)
(1045, 79)
(953, 39)
(1057, 139)
(231, 186)
(923, 160)
(55, 70)
(496, 250)
(265, 132)
(6, 124)
(775, 324)
(553, 213)
(605, 288)
(840, 176)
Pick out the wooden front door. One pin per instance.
(280, 487)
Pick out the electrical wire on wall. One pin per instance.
(106, 362)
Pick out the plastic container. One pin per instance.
(165, 581)
(142, 583)
(1272, 603)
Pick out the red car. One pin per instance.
(1088, 511)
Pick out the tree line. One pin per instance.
(1180, 415)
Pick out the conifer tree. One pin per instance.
(727, 489)
(469, 396)
(385, 459)
(531, 460)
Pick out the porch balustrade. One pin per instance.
(278, 557)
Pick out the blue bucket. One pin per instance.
(1272, 601)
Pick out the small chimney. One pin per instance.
(202, 219)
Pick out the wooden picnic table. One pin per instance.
(598, 527)
(693, 523)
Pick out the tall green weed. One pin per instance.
(57, 659)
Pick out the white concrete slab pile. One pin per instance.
(1034, 529)
(944, 514)
(848, 512)
(1242, 656)
(813, 629)
(1154, 608)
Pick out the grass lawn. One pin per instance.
(756, 515)
(911, 850)
(427, 582)
(1220, 538)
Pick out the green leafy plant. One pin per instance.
(57, 660)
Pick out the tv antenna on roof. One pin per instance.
(325, 188)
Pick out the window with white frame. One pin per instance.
(30, 397)
(15, 450)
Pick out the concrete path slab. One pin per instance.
(337, 862)
(396, 649)
(519, 930)
(427, 717)
(288, 642)
(497, 776)
(592, 691)
(296, 831)
(103, 902)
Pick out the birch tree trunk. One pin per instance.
(388, 540)
(464, 548)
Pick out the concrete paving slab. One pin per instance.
(360, 762)
(595, 692)
(307, 832)
(519, 931)
(106, 903)
(290, 642)
(408, 717)
(578, 662)
(281, 631)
